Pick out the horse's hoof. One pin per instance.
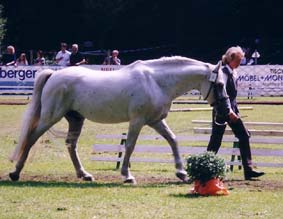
(183, 176)
(88, 178)
(130, 181)
(14, 176)
(85, 176)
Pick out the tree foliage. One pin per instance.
(2, 26)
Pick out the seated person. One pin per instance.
(40, 60)
(22, 60)
(9, 58)
(76, 57)
(113, 59)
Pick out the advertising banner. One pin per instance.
(254, 80)
(260, 80)
(20, 79)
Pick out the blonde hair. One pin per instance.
(75, 45)
(11, 48)
(231, 54)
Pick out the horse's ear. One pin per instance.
(218, 66)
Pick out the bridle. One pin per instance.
(213, 78)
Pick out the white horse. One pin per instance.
(140, 93)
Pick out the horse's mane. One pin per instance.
(175, 60)
(179, 60)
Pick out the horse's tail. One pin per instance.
(32, 114)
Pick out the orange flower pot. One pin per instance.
(212, 187)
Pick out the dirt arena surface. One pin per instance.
(114, 180)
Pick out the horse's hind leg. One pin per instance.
(163, 129)
(76, 121)
(27, 144)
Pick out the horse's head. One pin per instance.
(215, 76)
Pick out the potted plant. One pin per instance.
(207, 171)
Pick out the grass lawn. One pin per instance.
(48, 187)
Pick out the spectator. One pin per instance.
(244, 59)
(40, 60)
(251, 61)
(225, 110)
(9, 58)
(248, 56)
(63, 56)
(22, 60)
(76, 57)
(113, 59)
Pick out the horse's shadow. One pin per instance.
(54, 184)
(81, 185)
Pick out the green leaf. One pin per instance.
(205, 166)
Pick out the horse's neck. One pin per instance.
(175, 81)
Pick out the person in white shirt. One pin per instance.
(63, 56)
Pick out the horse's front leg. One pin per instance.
(133, 133)
(163, 129)
(75, 126)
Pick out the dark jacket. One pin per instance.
(225, 99)
(231, 89)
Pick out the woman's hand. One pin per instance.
(233, 117)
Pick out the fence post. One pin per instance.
(122, 143)
(235, 145)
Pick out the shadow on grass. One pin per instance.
(187, 195)
(50, 184)
(82, 185)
